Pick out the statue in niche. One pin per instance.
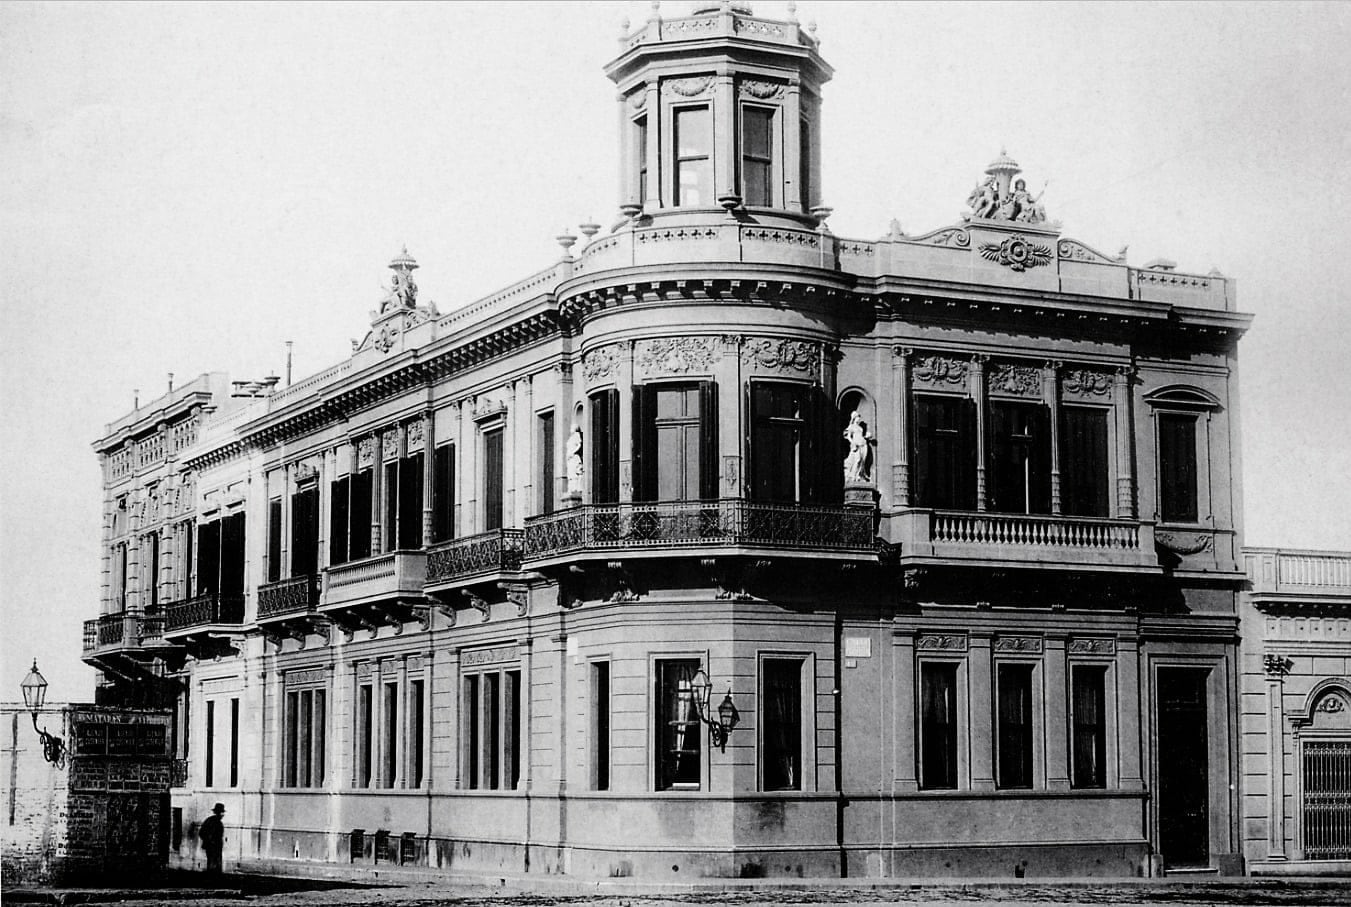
(857, 465)
(573, 455)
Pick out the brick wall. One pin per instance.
(104, 809)
(35, 799)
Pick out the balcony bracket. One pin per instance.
(477, 603)
(622, 580)
(519, 595)
(734, 579)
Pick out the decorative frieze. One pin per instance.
(600, 363)
(416, 435)
(940, 372)
(474, 658)
(414, 663)
(781, 356)
(942, 642)
(1086, 384)
(1015, 380)
(688, 87)
(308, 677)
(761, 89)
(1018, 645)
(1090, 645)
(676, 356)
(365, 453)
(389, 444)
(1184, 542)
(1072, 250)
(364, 671)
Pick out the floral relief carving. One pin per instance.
(389, 442)
(940, 370)
(781, 355)
(385, 340)
(1331, 704)
(758, 88)
(366, 452)
(1017, 380)
(943, 642)
(1017, 252)
(952, 236)
(1077, 251)
(1092, 646)
(638, 99)
(1084, 382)
(677, 355)
(1180, 543)
(688, 87)
(415, 435)
(1028, 644)
(600, 363)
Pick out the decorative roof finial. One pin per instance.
(655, 15)
(792, 11)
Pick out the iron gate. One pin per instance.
(1327, 799)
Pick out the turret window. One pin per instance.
(694, 156)
(640, 153)
(757, 156)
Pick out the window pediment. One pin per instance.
(1183, 395)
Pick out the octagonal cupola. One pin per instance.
(719, 109)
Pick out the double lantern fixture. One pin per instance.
(699, 687)
(34, 688)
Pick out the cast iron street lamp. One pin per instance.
(34, 688)
(728, 716)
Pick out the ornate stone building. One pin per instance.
(724, 545)
(1296, 711)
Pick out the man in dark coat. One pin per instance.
(212, 834)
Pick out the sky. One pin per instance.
(187, 186)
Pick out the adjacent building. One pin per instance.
(720, 546)
(1296, 711)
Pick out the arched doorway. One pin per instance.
(1325, 775)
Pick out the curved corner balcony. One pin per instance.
(1011, 539)
(721, 527)
(485, 557)
(125, 640)
(384, 589)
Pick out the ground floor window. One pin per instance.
(1327, 799)
(678, 744)
(781, 723)
(303, 741)
(491, 730)
(938, 726)
(1015, 726)
(1088, 721)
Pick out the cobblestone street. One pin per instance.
(267, 891)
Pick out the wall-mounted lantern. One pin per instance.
(727, 718)
(34, 688)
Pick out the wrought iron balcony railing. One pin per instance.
(288, 597)
(730, 522)
(113, 631)
(211, 609)
(487, 553)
